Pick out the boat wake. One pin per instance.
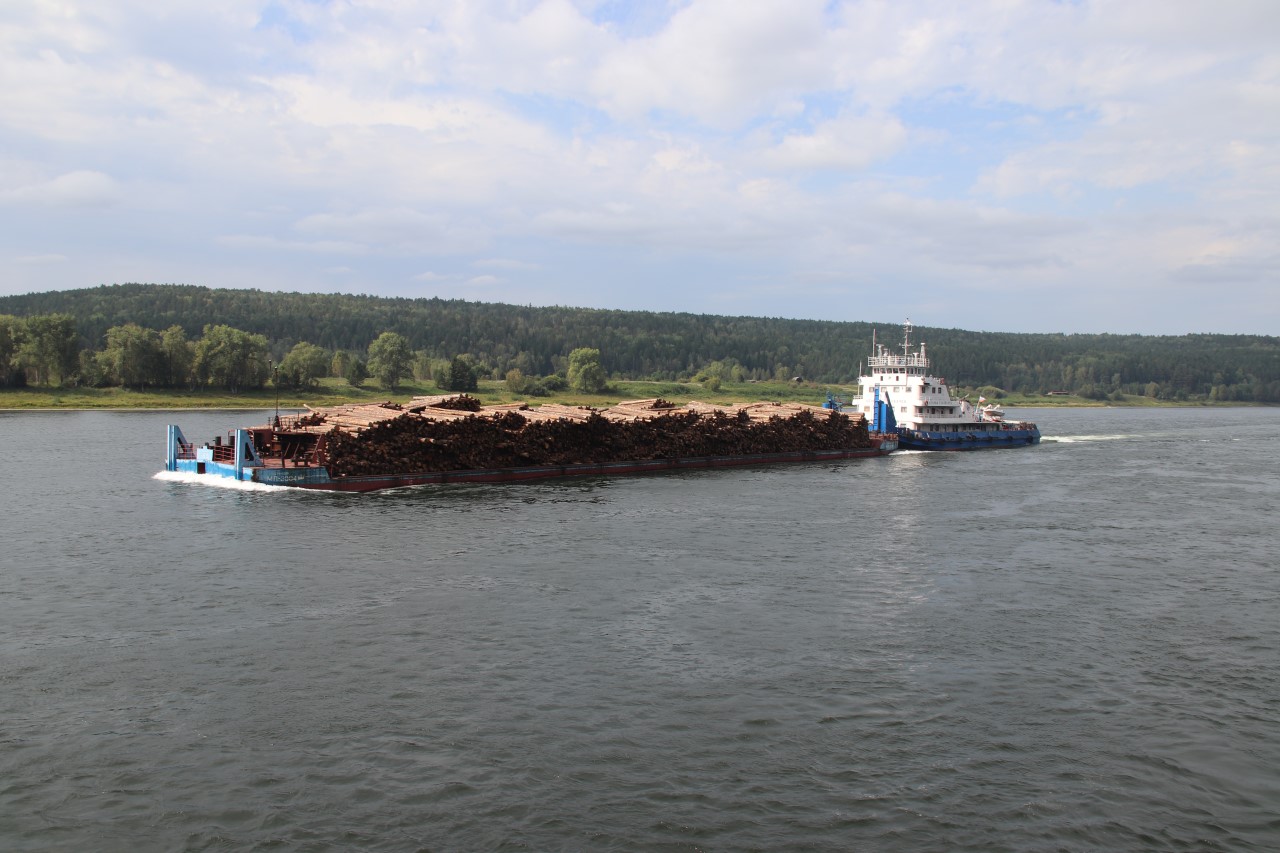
(1076, 439)
(217, 482)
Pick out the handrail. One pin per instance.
(891, 360)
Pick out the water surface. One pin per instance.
(1067, 647)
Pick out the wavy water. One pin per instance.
(1066, 647)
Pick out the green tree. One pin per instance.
(461, 377)
(669, 345)
(303, 365)
(95, 369)
(517, 382)
(133, 356)
(586, 374)
(179, 356)
(13, 333)
(529, 386)
(50, 352)
(422, 366)
(553, 382)
(341, 362)
(357, 372)
(231, 358)
(390, 359)
(440, 371)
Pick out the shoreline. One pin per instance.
(495, 392)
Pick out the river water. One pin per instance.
(1074, 646)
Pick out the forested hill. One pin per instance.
(638, 344)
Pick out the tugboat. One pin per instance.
(898, 392)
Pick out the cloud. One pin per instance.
(718, 62)
(849, 143)
(397, 229)
(78, 189)
(267, 243)
(506, 264)
(790, 155)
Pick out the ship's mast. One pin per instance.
(906, 337)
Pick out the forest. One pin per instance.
(187, 335)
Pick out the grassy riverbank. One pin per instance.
(332, 392)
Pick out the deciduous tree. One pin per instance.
(179, 355)
(13, 332)
(50, 352)
(134, 356)
(357, 372)
(231, 358)
(303, 365)
(390, 359)
(461, 376)
(586, 374)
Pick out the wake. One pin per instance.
(1076, 439)
(217, 482)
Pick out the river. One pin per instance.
(1074, 646)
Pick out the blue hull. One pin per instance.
(909, 439)
(238, 461)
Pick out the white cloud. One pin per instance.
(846, 143)
(806, 149)
(718, 62)
(82, 188)
(267, 243)
(506, 264)
(397, 229)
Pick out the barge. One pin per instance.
(453, 439)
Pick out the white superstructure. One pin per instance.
(919, 400)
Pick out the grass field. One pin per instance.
(333, 391)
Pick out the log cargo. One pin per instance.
(453, 438)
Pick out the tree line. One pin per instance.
(531, 346)
(45, 350)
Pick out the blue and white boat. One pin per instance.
(899, 393)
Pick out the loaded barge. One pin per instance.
(454, 439)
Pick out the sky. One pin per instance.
(996, 165)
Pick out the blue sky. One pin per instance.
(1006, 165)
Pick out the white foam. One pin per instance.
(219, 482)
(1075, 439)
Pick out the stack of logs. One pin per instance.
(426, 436)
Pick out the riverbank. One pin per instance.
(333, 392)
